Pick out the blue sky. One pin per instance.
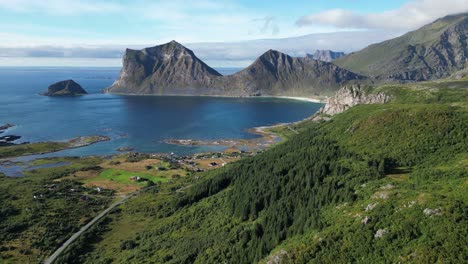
(68, 28)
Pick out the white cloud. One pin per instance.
(60, 7)
(208, 20)
(220, 32)
(216, 54)
(411, 15)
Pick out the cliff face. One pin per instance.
(434, 51)
(350, 96)
(169, 66)
(65, 88)
(172, 69)
(326, 55)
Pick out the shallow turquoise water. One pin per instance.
(141, 122)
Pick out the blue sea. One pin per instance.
(140, 122)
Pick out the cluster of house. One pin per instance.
(53, 187)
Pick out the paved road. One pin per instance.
(59, 251)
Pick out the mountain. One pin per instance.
(431, 52)
(65, 88)
(169, 68)
(326, 55)
(275, 73)
(172, 69)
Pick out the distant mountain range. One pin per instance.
(434, 51)
(326, 55)
(172, 69)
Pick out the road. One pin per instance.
(290, 128)
(59, 251)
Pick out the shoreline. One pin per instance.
(46, 147)
(305, 99)
(298, 98)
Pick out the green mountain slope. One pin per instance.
(375, 184)
(431, 52)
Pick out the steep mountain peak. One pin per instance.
(169, 50)
(272, 54)
(273, 58)
(151, 70)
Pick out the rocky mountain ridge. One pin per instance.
(275, 73)
(326, 55)
(172, 69)
(434, 51)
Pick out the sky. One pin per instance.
(222, 32)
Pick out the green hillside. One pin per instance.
(433, 51)
(376, 184)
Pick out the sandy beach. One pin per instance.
(307, 99)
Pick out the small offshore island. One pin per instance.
(65, 88)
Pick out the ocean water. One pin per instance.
(140, 122)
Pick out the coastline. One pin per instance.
(45, 147)
(306, 99)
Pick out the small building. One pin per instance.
(135, 178)
(212, 164)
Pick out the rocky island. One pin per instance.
(65, 88)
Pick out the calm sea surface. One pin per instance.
(141, 122)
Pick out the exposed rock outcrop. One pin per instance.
(381, 233)
(278, 258)
(350, 96)
(370, 207)
(326, 55)
(65, 88)
(433, 212)
(365, 220)
(172, 69)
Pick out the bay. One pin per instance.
(140, 122)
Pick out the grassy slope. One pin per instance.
(123, 176)
(304, 200)
(382, 58)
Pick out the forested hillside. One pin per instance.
(375, 184)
